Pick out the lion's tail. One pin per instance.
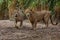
(52, 21)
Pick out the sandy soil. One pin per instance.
(9, 32)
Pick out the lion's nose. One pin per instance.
(28, 14)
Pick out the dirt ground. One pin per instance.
(9, 32)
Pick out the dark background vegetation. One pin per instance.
(24, 4)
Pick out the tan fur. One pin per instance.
(19, 17)
(35, 17)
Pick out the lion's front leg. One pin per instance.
(34, 25)
(21, 23)
(16, 24)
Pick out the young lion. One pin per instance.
(19, 17)
(35, 17)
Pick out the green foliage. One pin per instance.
(34, 3)
(58, 3)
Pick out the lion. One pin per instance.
(19, 17)
(37, 16)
